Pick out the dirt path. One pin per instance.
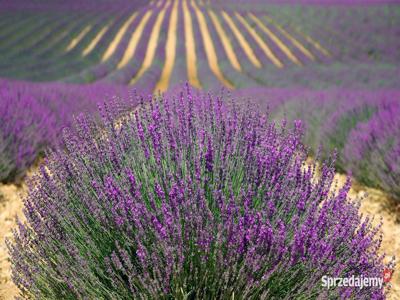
(10, 206)
(376, 203)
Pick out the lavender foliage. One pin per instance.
(361, 125)
(189, 197)
(373, 149)
(32, 117)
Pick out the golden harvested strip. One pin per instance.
(137, 34)
(313, 42)
(152, 45)
(277, 41)
(226, 43)
(264, 47)
(80, 36)
(209, 47)
(117, 39)
(191, 59)
(96, 39)
(292, 39)
(242, 41)
(170, 51)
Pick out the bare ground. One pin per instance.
(375, 203)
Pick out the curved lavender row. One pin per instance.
(16, 22)
(362, 125)
(61, 44)
(304, 59)
(19, 35)
(43, 42)
(373, 149)
(125, 75)
(43, 60)
(7, 28)
(101, 69)
(247, 67)
(60, 64)
(316, 76)
(239, 79)
(179, 74)
(266, 63)
(358, 33)
(70, 6)
(189, 196)
(25, 126)
(147, 82)
(206, 77)
(260, 4)
(33, 116)
(112, 62)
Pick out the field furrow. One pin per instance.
(190, 47)
(75, 41)
(92, 45)
(209, 49)
(276, 40)
(149, 79)
(170, 50)
(152, 44)
(227, 45)
(134, 41)
(263, 45)
(13, 27)
(241, 39)
(292, 39)
(112, 47)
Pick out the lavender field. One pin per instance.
(199, 149)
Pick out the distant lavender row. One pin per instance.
(302, 2)
(68, 6)
(33, 115)
(362, 125)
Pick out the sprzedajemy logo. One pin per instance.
(357, 281)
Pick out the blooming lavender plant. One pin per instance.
(32, 117)
(21, 137)
(373, 150)
(188, 197)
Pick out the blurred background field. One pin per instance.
(335, 65)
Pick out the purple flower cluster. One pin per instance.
(33, 116)
(189, 196)
(373, 149)
(22, 134)
(362, 125)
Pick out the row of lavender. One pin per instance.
(363, 126)
(352, 32)
(33, 116)
(190, 197)
(340, 53)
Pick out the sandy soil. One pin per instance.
(375, 203)
(10, 207)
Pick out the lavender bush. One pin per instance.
(33, 116)
(189, 197)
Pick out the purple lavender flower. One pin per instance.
(227, 210)
(34, 115)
